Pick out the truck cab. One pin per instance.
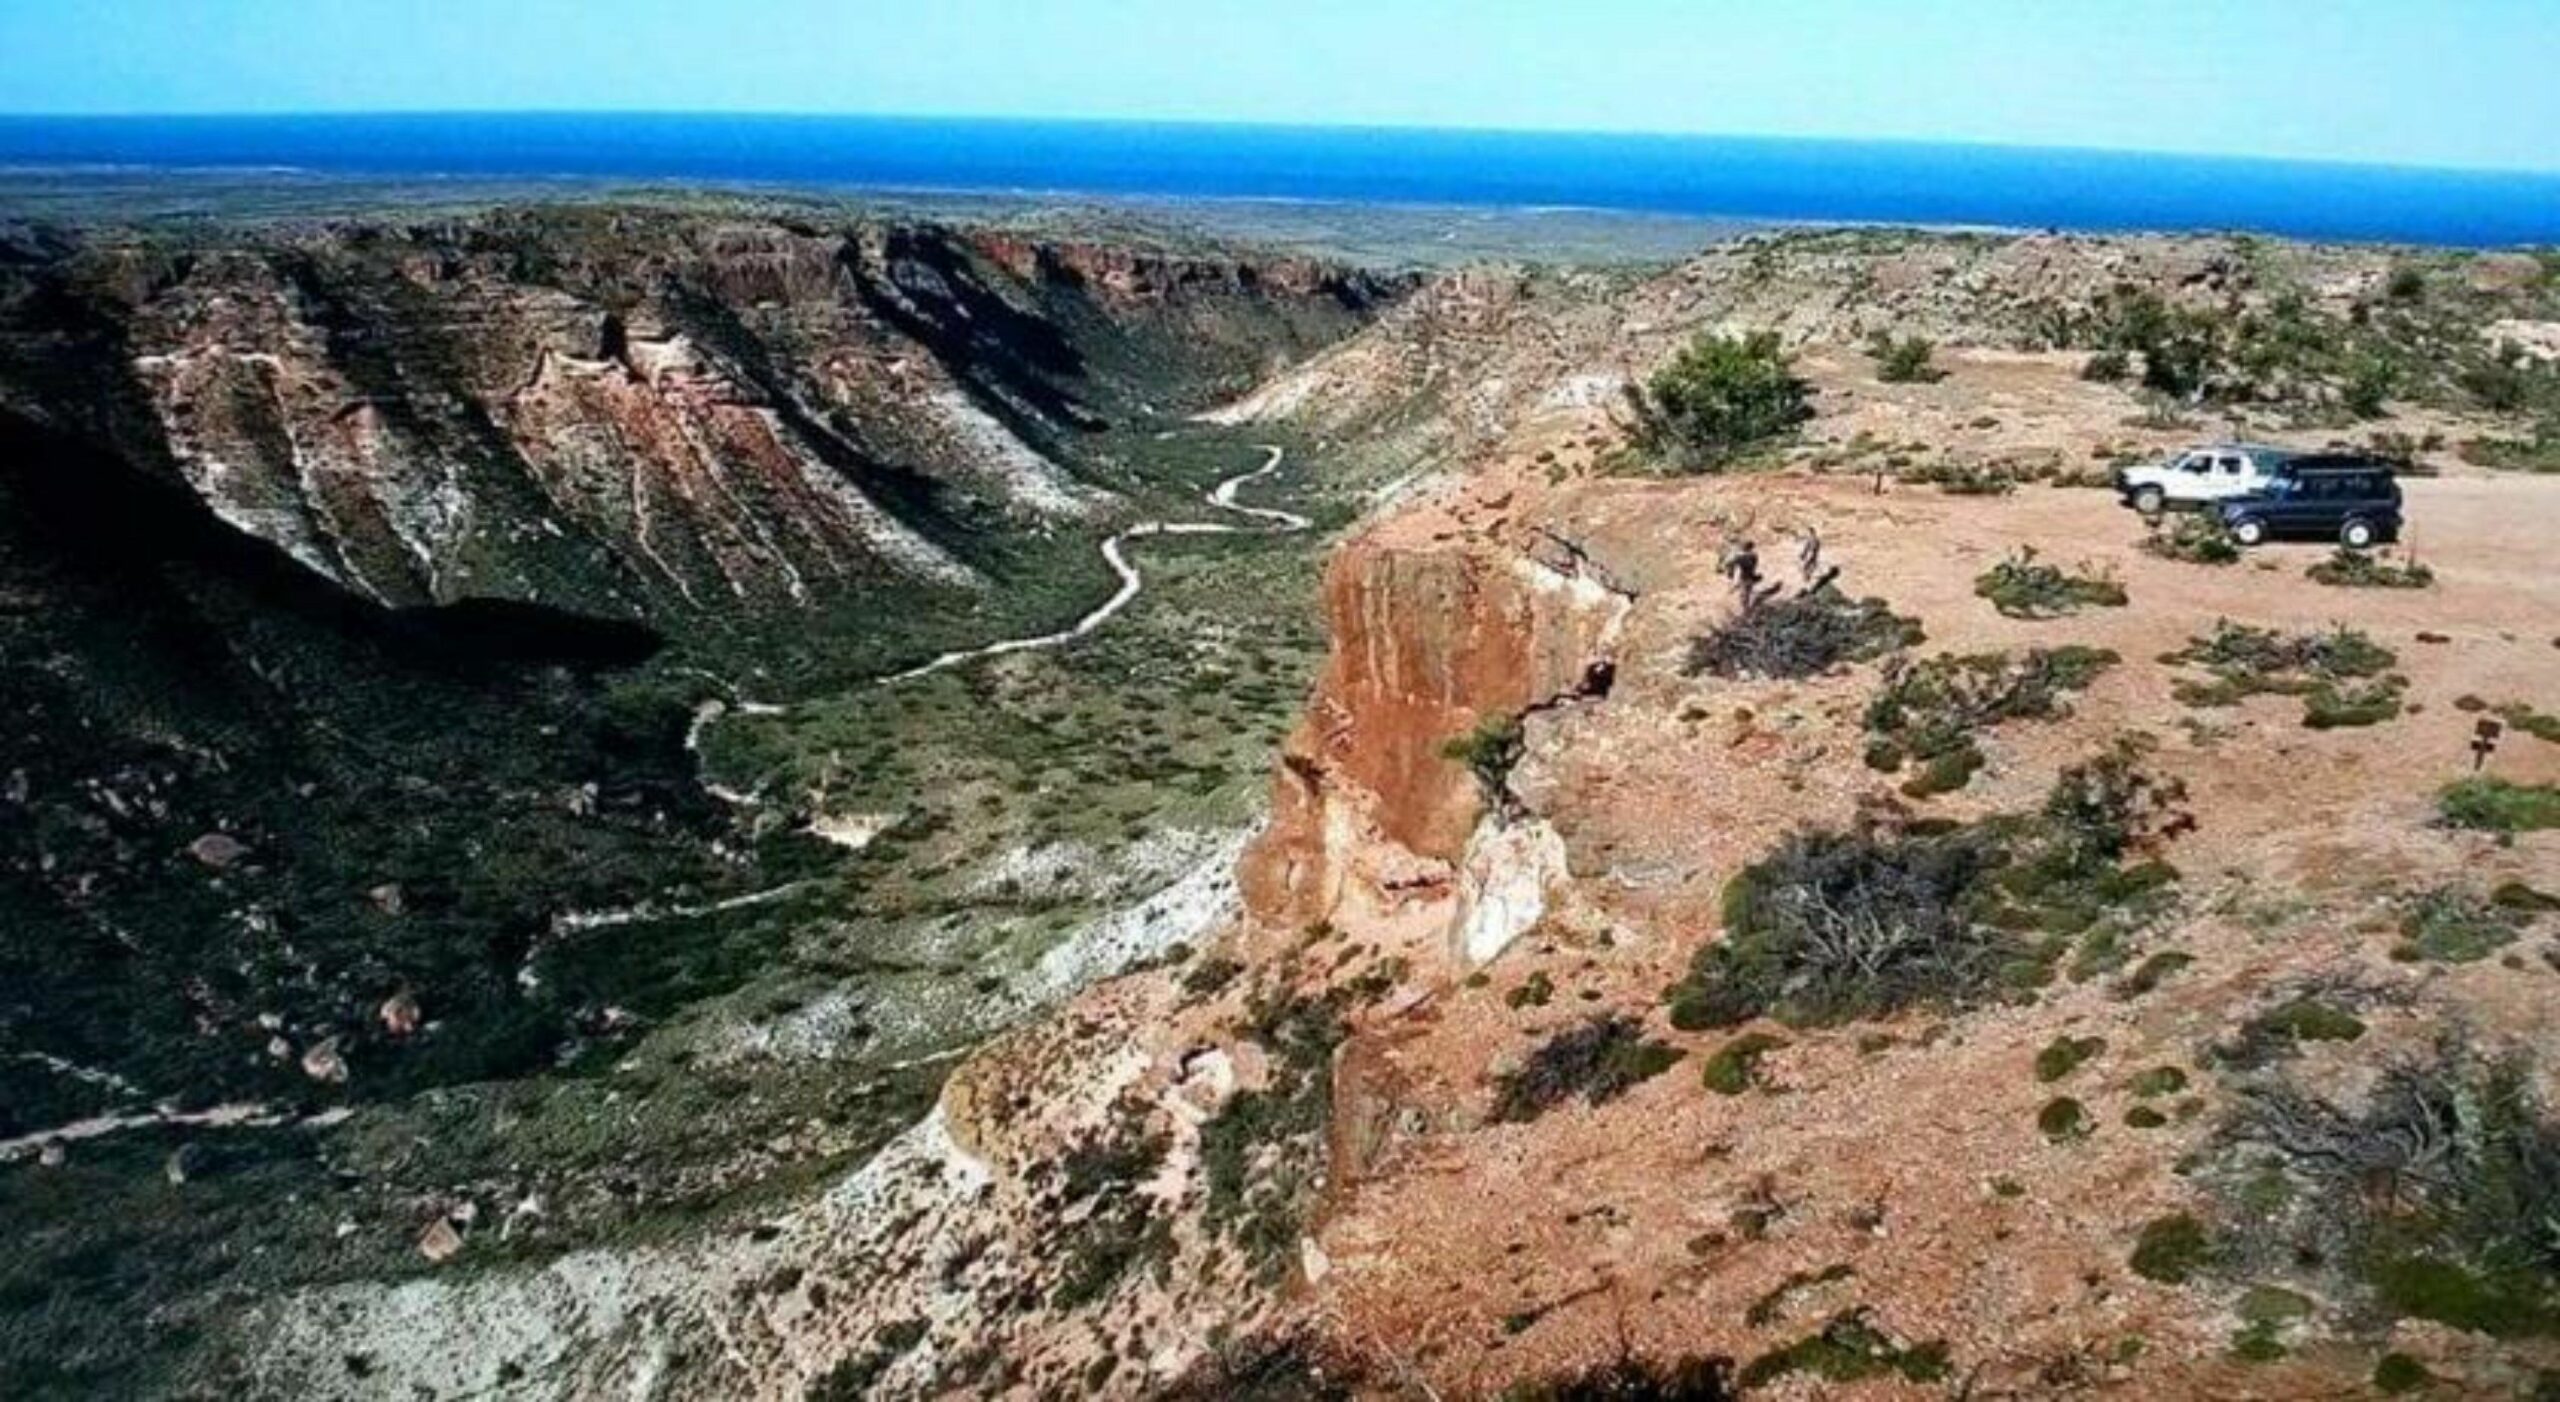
(2202, 476)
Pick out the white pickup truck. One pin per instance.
(2201, 476)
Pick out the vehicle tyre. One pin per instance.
(2150, 501)
(2249, 530)
(2356, 534)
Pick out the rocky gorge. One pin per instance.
(1450, 1093)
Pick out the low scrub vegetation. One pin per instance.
(1596, 1062)
(1489, 752)
(2279, 1031)
(2342, 676)
(1118, 1228)
(1720, 399)
(1839, 926)
(2537, 453)
(1848, 1349)
(2064, 1120)
(2349, 568)
(1688, 1379)
(1804, 635)
(2458, 925)
(2172, 1249)
(2023, 586)
(1961, 479)
(1929, 713)
(1735, 1067)
(2193, 540)
(1904, 361)
(2435, 1195)
(2496, 805)
(2541, 725)
(1261, 1155)
(2064, 1055)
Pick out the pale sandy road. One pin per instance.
(1131, 582)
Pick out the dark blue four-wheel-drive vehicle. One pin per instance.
(2344, 497)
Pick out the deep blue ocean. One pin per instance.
(1740, 177)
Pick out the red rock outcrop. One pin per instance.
(1433, 635)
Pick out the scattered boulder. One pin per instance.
(400, 1015)
(1207, 1081)
(440, 1243)
(324, 1062)
(388, 898)
(218, 850)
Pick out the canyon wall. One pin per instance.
(642, 413)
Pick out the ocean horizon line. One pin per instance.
(1216, 124)
(1773, 179)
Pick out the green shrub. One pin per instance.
(2065, 1054)
(2064, 1119)
(1261, 1155)
(1837, 926)
(2268, 660)
(2279, 1031)
(2339, 707)
(1849, 1349)
(2522, 899)
(1930, 711)
(2541, 725)
(2368, 386)
(855, 1376)
(2349, 568)
(2021, 587)
(2266, 1313)
(2144, 1117)
(2455, 925)
(2172, 1249)
(1905, 361)
(1803, 635)
(2341, 675)
(2496, 805)
(1718, 399)
(1735, 1067)
(1598, 1061)
(2107, 367)
(1534, 992)
(2539, 453)
(2395, 1374)
(1210, 976)
(2194, 540)
(1692, 1378)
(2441, 1186)
(1961, 479)
(2152, 972)
(1489, 752)
(2159, 1081)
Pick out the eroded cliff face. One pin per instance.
(1435, 638)
(650, 414)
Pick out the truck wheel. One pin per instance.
(2356, 535)
(2249, 530)
(2150, 501)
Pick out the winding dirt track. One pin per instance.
(1222, 497)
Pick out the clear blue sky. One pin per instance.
(2438, 82)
